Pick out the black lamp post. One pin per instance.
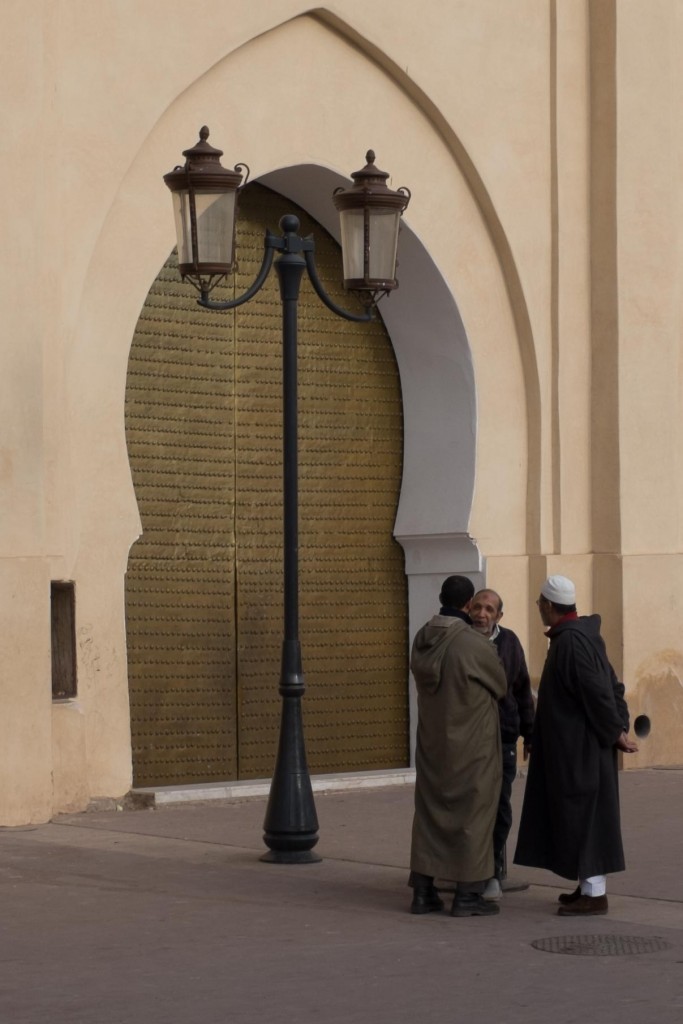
(204, 199)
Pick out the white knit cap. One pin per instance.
(559, 590)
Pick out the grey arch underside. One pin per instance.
(437, 382)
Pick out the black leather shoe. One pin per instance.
(473, 905)
(426, 901)
(584, 906)
(569, 897)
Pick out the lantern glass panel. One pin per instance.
(181, 212)
(215, 227)
(382, 244)
(384, 226)
(352, 242)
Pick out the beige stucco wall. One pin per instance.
(520, 129)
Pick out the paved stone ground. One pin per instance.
(145, 917)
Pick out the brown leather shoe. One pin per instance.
(584, 905)
(569, 897)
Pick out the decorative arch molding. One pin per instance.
(502, 248)
(422, 317)
(437, 382)
(430, 109)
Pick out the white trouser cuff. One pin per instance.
(596, 885)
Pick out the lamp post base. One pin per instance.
(290, 828)
(291, 857)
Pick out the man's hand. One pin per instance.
(628, 746)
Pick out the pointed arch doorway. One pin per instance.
(204, 584)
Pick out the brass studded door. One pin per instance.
(204, 582)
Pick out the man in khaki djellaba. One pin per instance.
(459, 681)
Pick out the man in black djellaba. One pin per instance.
(570, 817)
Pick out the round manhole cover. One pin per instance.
(601, 945)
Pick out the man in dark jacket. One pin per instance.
(516, 711)
(570, 817)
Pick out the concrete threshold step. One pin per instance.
(156, 796)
